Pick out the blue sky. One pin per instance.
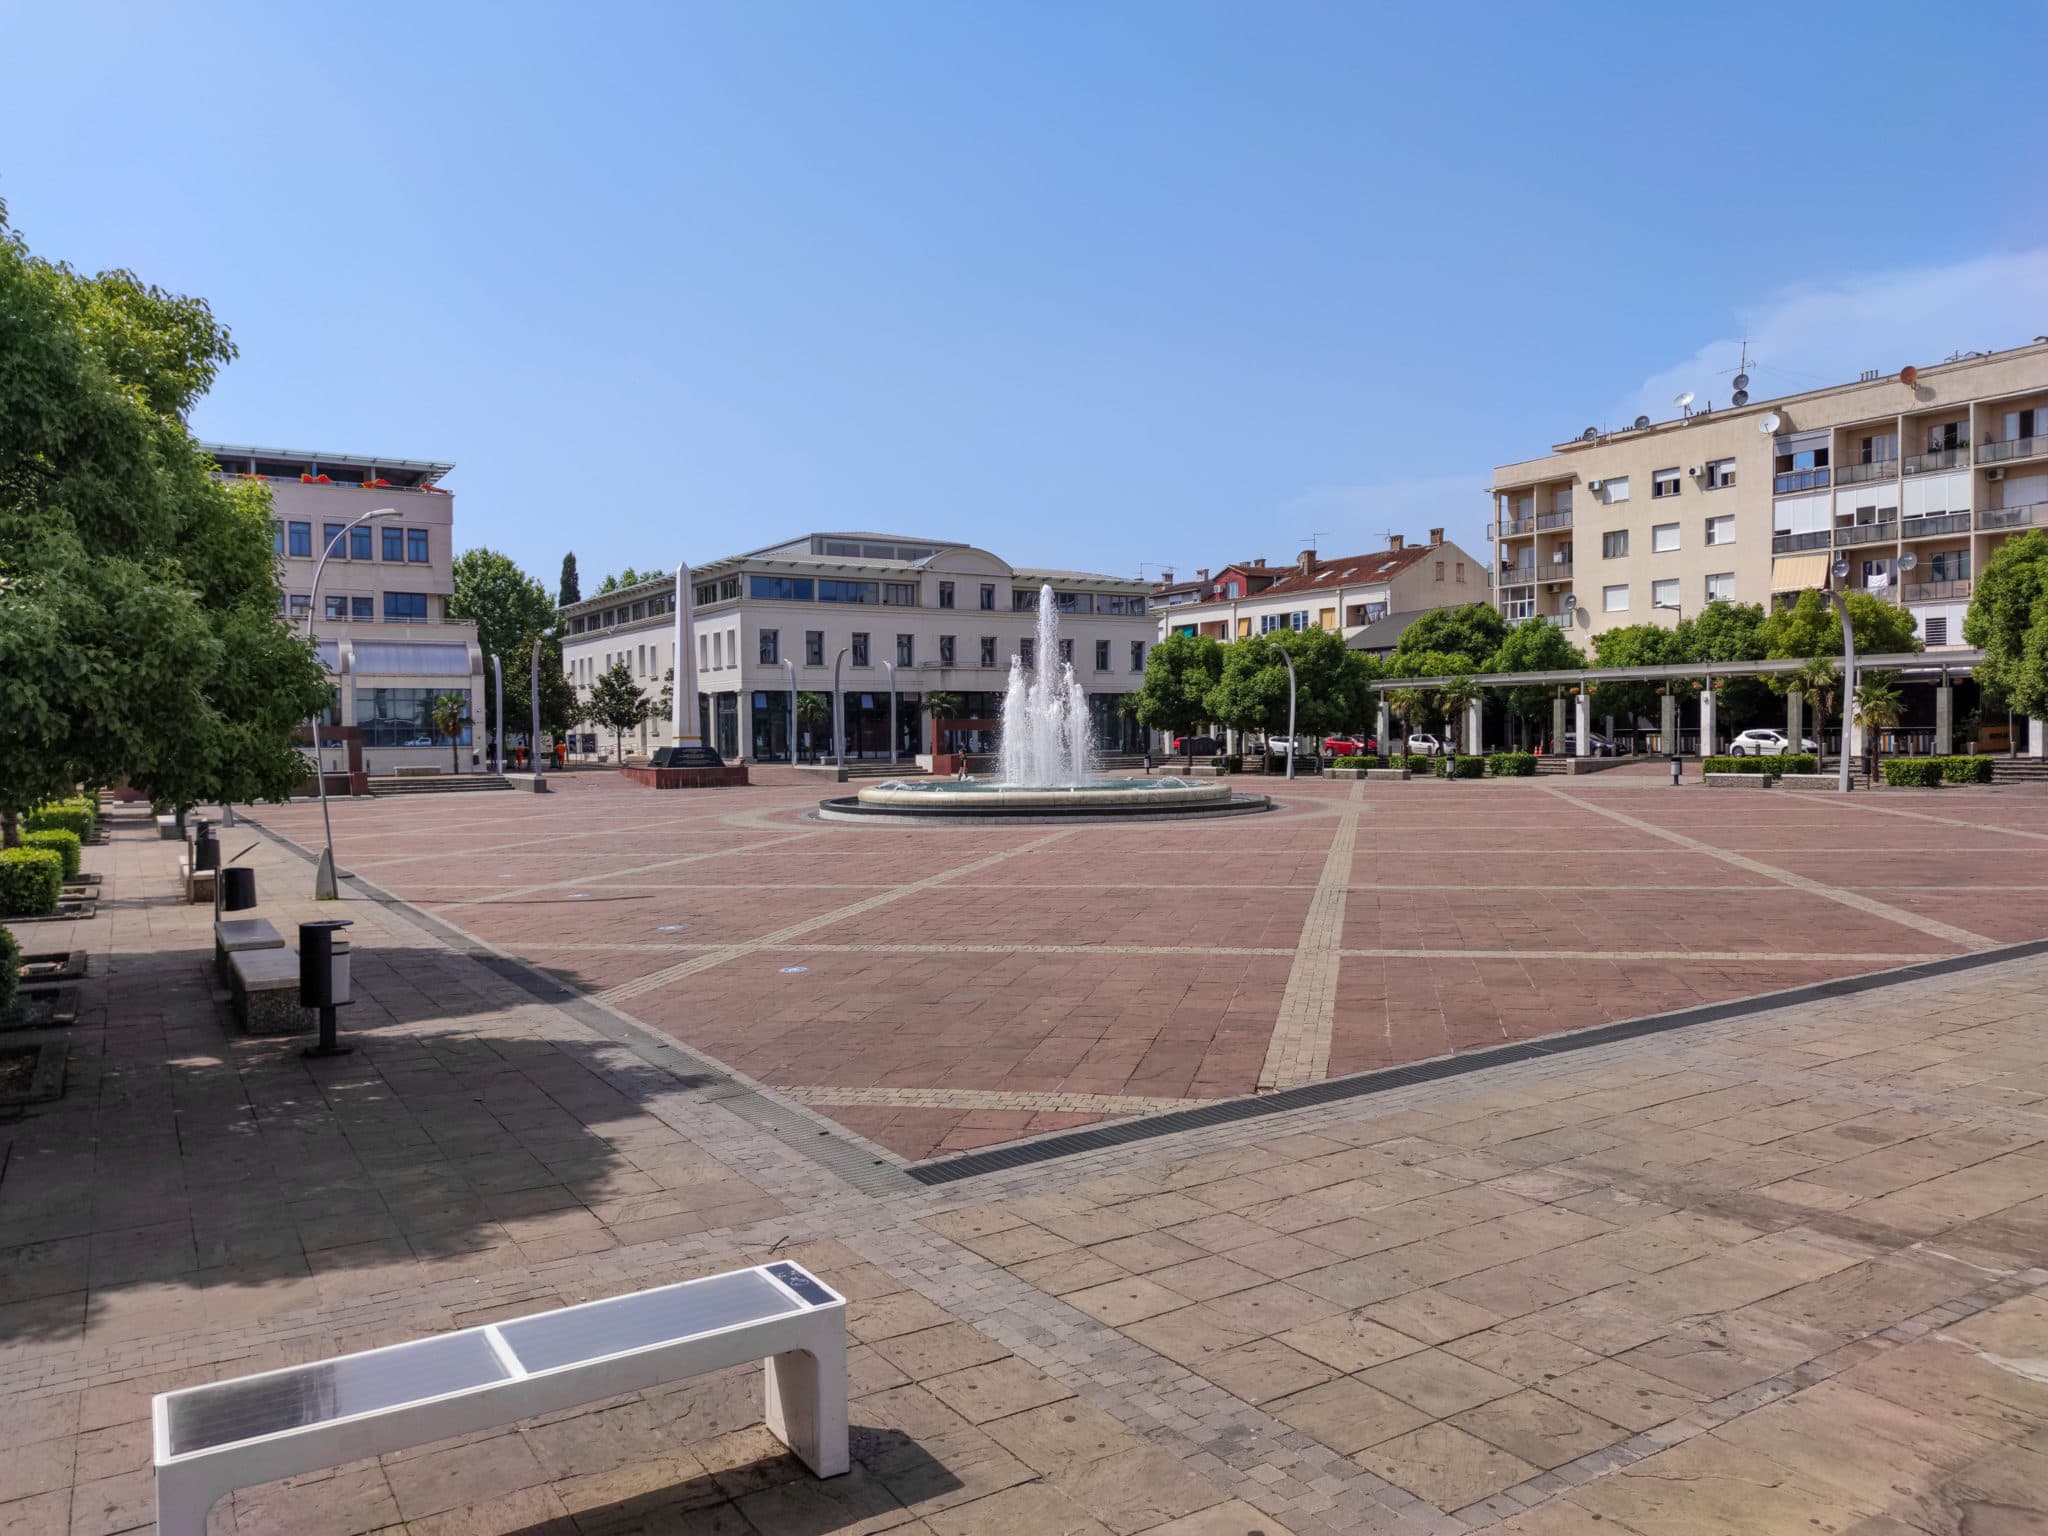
(1090, 284)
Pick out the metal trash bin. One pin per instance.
(324, 979)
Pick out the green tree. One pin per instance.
(617, 704)
(1724, 631)
(1474, 631)
(140, 628)
(1331, 684)
(1423, 708)
(1180, 671)
(2008, 621)
(1810, 631)
(451, 714)
(814, 716)
(1878, 709)
(507, 606)
(570, 589)
(1534, 645)
(1635, 645)
(560, 710)
(628, 578)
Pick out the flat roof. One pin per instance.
(429, 470)
(1958, 659)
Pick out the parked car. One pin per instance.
(1200, 746)
(1765, 742)
(1422, 744)
(1596, 745)
(1351, 746)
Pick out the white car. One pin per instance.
(1767, 743)
(1422, 744)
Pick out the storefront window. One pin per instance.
(404, 717)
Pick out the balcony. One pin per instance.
(1796, 480)
(1515, 576)
(1957, 457)
(1558, 620)
(2017, 448)
(1792, 543)
(1994, 518)
(1860, 474)
(1515, 529)
(1935, 527)
(1558, 519)
(1886, 532)
(1935, 591)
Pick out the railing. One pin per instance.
(2031, 516)
(1515, 528)
(1858, 474)
(1936, 591)
(1941, 458)
(1560, 620)
(1931, 527)
(1867, 533)
(1518, 576)
(1562, 519)
(2016, 448)
(1799, 480)
(1787, 543)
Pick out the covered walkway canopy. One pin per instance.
(1956, 661)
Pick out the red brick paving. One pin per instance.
(1530, 868)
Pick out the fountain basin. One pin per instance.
(987, 799)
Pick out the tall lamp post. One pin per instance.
(1290, 708)
(533, 741)
(1839, 600)
(792, 709)
(890, 667)
(324, 888)
(498, 736)
(838, 715)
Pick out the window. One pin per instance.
(1663, 482)
(332, 542)
(1664, 594)
(1949, 565)
(1721, 530)
(1721, 588)
(848, 591)
(277, 537)
(1616, 489)
(394, 545)
(1027, 651)
(359, 543)
(1720, 474)
(945, 594)
(704, 594)
(860, 648)
(362, 609)
(988, 596)
(1102, 655)
(717, 652)
(1233, 588)
(1935, 626)
(771, 647)
(404, 717)
(416, 546)
(703, 655)
(1137, 655)
(904, 648)
(900, 594)
(1613, 546)
(1461, 570)
(1879, 448)
(1664, 538)
(301, 605)
(988, 650)
(780, 589)
(945, 650)
(337, 607)
(1067, 653)
(406, 607)
(1614, 599)
(301, 540)
(814, 647)
(1439, 570)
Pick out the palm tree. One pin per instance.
(1403, 701)
(813, 714)
(1877, 709)
(451, 715)
(1454, 698)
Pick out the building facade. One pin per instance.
(382, 620)
(1342, 594)
(894, 613)
(1910, 479)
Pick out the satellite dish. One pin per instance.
(1742, 381)
(1841, 570)
(1770, 423)
(1741, 397)
(1909, 376)
(1642, 422)
(1909, 561)
(1683, 400)
(1570, 602)
(1589, 434)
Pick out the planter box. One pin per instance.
(1351, 773)
(1597, 764)
(1737, 780)
(1813, 783)
(1202, 771)
(1386, 773)
(687, 778)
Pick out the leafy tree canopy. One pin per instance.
(1475, 631)
(570, 589)
(1636, 645)
(140, 627)
(508, 608)
(617, 704)
(1534, 645)
(2008, 621)
(1180, 671)
(630, 578)
(1331, 683)
(1811, 631)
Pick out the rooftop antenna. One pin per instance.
(1741, 380)
(1311, 539)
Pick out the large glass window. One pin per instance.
(905, 648)
(277, 537)
(416, 546)
(848, 591)
(301, 539)
(900, 594)
(337, 607)
(771, 647)
(404, 717)
(1102, 655)
(405, 607)
(332, 542)
(860, 648)
(814, 647)
(359, 542)
(394, 545)
(362, 609)
(988, 650)
(945, 594)
(779, 589)
(300, 605)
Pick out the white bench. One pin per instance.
(234, 1434)
(265, 983)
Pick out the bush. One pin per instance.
(62, 815)
(1460, 767)
(1776, 767)
(31, 880)
(1356, 762)
(65, 843)
(1912, 772)
(10, 967)
(1964, 770)
(1512, 765)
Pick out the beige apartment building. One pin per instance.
(381, 613)
(1341, 593)
(1908, 477)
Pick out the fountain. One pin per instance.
(1046, 761)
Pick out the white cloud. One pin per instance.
(1352, 519)
(1816, 334)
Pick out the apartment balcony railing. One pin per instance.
(1885, 532)
(1940, 458)
(1514, 528)
(1859, 474)
(1560, 620)
(1994, 518)
(1936, 591)
(1516, 576)
(1562, 518)
(1884, 594)
(1800, 480)
(1934, 527)
(1791, 543)
(2015, 448)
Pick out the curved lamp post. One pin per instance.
(1839, 600)
(791, 666)
(890, 667)
(1290, 708)
(838, 715)
(324, 888)
(498, 737)
(534, 741)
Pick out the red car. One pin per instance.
(1350, 746)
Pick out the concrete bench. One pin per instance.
(167, 829)
(417, 771)
(212, 1440)
(235, 934)
(198, 882)
(1737, 780)
(1826, 783)
(1388, 773)
(265, 983)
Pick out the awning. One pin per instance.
(1795, 573)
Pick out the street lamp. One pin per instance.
(498, 736)
(533, 741)
(838, 715)
(1839, 600)
(1290, 708)
(324, 888)
(792, 709)
(890, 668)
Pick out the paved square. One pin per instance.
(937, 989)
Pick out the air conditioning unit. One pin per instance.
(1555, 586)
(1594, 485)
(1694, 471)
(1994, 474)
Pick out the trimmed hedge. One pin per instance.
(1512, 765)
(10, 968)
(1356, 762)
(1776, 767)
(1460, 767)
(63, 816)
(31, 880)
(1912, 772)
(1964, 770)
(64, 842)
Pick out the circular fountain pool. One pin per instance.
(990, 800)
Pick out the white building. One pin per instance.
(924, 615)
